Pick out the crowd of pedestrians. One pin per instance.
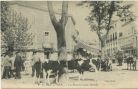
(12, 65)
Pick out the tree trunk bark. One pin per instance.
(102, 45)
(61, 43)
(102, 52)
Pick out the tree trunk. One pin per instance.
(59, 27)
(61, 43)
(102, 45)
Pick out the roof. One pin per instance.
(30, 5)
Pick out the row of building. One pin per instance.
(123, 37)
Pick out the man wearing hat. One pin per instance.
(18, 65)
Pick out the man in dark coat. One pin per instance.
(129, 62)
(98, 63)
(18, 65)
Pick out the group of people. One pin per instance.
(131, 62)
(11, 64)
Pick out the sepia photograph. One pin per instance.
(69, 44)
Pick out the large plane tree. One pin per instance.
(59, 27)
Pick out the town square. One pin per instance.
(69, 44)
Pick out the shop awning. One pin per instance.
(86, 48)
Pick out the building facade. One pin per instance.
(122, 37)
(42, 29)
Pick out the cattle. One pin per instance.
(60, 67)
(57, 68)
(81, 66)
(52, 67)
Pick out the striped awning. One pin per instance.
(86, 48)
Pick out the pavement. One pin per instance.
(118, 78)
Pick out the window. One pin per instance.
(46, 33)
(110, 38)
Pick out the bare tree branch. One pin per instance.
(51, 13)
(64, 17)
(110, 11)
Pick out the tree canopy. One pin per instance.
(14, 27)
(102, 14)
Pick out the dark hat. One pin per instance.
(34, 51)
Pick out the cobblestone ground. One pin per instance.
(118, 78)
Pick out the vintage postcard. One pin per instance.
(69, 44)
